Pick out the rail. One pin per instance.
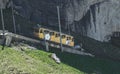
(10, 36)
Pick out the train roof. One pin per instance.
(50, 29)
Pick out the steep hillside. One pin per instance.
(13, 61)
(31, 62)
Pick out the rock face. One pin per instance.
(94, 18)
(104, 19)
(3, 3)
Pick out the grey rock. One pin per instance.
(93, 18)
(57, 60)
(3, 3)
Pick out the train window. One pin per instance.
(52, 33)
(57, 35)
(36, 30)
(46, 31)
(69, 38)
(63, 36)
(41, 31)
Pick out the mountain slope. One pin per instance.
(14, 61)
(31, 62)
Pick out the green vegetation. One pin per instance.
(31, 62)
(39, 62)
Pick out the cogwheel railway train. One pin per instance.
(53, 36)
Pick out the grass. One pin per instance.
(32, 62)
(38, 62)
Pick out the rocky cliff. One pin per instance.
(94, 18)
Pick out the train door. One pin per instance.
(68, 41)
(57, 38)
(72, 42)
(52, 34)
(64, 39)
(41, 33)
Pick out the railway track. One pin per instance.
(16, 37)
